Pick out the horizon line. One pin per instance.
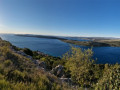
(61, 35)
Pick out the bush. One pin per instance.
(5, 85)
(110, 79)
(23, 86)
(16, 75)
(28, 51)
(8, 63)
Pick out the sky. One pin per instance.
(98, 18)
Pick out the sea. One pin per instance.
(57, 48)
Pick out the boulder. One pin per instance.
(37, 62)
(58, 71)
(41, 64)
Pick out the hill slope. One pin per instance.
(17, 72)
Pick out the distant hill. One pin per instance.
(40, 36)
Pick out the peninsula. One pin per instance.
(96, 43)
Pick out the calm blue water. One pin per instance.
(56, 47)
(75, 38)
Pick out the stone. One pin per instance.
(42, 65)
(58, 71)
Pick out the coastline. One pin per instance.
(92, 42)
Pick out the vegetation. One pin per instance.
(87, 74)
(82, 68)
(28, 51)
(110, 79)
(49, 60)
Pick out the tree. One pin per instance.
(79, 62)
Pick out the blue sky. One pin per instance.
(61, 17)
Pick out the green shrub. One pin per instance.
(24, 86)
(16, 75)
(5, 85)
(56, 87)
(28, 51)
(8, 63)
(110, 79)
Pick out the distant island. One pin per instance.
(40, 36)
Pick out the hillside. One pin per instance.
(19, 71)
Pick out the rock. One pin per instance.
(42, 65)
(21, 53)
(68, 80)
(37, 62)
(58, 71)
(41, 53)
(30, 57)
